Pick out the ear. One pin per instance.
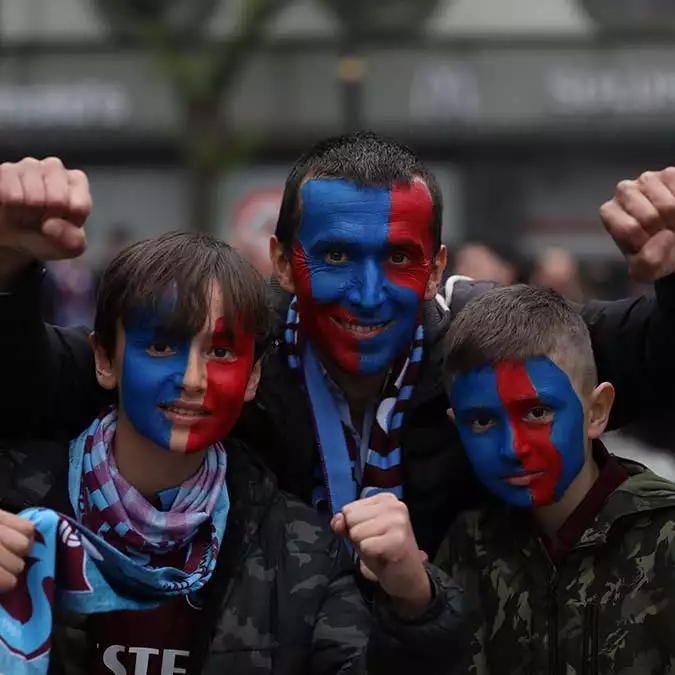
(451, 414)
(281, 265)
(253, 382)
(104, 370)
(602, 399)
(436, 277)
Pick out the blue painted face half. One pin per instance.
(522, 425)
(361, 264)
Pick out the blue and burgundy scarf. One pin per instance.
(338, 482)
(99, 561)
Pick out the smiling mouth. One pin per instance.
(361, 331)
(176, 411)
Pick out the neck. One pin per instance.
(146, 466)
(359, 390)
(550, 518)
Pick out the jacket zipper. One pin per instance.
(553, 624)
(590, 640)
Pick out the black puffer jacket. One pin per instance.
(282, 601)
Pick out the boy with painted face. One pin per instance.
(571, 568)
(191, 560)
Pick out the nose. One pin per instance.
(195, 378)
(508, 446)
(368, 292)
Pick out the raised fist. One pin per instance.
(43, 208)
(380, 530)
(641, 220)
(16, 539)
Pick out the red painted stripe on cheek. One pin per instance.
(532, 442)
(225, 390)
(410, 220)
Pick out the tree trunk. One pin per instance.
(203, 151)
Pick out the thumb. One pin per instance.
(339, 525)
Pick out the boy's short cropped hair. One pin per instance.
(171, 275)
(367, 159)
(514, 323)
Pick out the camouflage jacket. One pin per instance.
(283, 599)
(607, 609)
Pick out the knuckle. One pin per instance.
(29, 163)
(606, 211)
(8, 581)
(23, 546)
(624, 187)
(646, 177)
(52, 162)
(78, 176)
(669, 172)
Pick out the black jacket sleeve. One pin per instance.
(50, 389)
(633, 342)
(634, 347)
(430, 643)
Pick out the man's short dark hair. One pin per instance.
(365, 158)
(180, 266)
(518, 322)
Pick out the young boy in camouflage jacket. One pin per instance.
(570, 569)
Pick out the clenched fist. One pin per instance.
(641, 220)
(380, 530)
(43, 208)
(16, 540)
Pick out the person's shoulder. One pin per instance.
(458, 291)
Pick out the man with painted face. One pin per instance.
(350, 401)
(570, 568)
(192, 561)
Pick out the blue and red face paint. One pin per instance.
(362, 256)
(217, 383)
(517, 419)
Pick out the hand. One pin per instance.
(641, 220)
(16, 540)
(380, 530)
(43, 208)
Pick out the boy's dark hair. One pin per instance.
(366, 159)
(179, 266)
(519, 322)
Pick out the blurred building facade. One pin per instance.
(529, 110)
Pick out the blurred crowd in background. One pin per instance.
(188, 113)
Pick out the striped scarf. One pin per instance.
(105, 559)
(338, 482)
(112, 508)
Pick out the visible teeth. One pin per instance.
(356, 328)
(183, 411)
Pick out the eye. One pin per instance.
(160, 349)
(398, 258)
(539, 415)
(222, 354)
(335, 257)
(482, 423)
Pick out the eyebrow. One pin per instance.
(406, 243)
